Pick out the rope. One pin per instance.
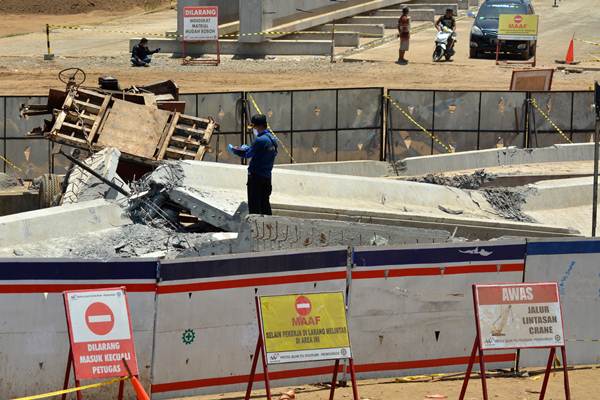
(547, 118)
(269, 127)
(230, 35)
(10, 164)
(75, 389)
(421, 127)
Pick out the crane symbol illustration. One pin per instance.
(500, 323)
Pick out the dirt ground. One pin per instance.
(23, 71)
(583, 382)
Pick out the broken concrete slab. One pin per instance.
(220, 208)
(267, 232)
(69, 219)
(83, 186)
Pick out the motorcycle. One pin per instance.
(441, 44)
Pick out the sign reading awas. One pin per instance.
(100, 333)
(200, 23)
(306, 327)
(518, 27)
(519, 315)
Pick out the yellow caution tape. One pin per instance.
(588, 42)
(269, 127)
(10, 164)
(411, 119)
(558, 130)
(230, 35)
(75, 389)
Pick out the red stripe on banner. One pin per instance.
(236, 379)
(59, 288)
(440, 362)
(248, 282)
(298, 373)
(433, 271)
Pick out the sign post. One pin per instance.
(517, 27)
(100, 336)
(302, 328)
(201, 24)
(517, 316)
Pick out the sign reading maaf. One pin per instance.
(511, 316)
(201, 23)
(100, 333)
(305, 327)
(518, 27)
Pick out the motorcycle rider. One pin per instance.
(447, 20)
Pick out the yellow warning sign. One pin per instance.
(518, 27)
(304, 327)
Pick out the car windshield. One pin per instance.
(492, 11)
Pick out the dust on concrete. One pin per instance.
(129, 241)
(7, 181)
(508, 202)
(467, 181)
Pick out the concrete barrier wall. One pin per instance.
(214, 298)
(411, 309)
(574, 265)
(33, 332)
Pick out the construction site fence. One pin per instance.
(342, 124)
(410, 310)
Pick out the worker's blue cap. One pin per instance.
(259, 119)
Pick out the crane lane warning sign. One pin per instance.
(304, 327)
(100, 333)
(513, 316)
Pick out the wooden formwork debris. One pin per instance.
(92, 120)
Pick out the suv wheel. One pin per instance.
(473, 53)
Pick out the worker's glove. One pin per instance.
(230, 149)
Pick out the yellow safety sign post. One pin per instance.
(302, 328)
(517, 27)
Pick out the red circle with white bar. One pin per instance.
(518, 19)
(99, 318)
(303, 305)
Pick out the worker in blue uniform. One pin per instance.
(262, 153)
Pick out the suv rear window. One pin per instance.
(493, 10)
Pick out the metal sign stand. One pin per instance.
(201, 61)
(261, 351)
(507, 62)
(477, 352)
(70, 364)
(596, 155)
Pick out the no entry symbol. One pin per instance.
(303, 305)
(518, 19)
(99, 318)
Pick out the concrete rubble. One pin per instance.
(191, 208)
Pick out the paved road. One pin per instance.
(557, 25)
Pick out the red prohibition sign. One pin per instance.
(303, 305)
(99, 318)
(518, 19)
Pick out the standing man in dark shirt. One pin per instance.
(262, 152)
(404, 33)
(141, 55)
(449, 22)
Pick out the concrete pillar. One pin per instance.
(255, 16)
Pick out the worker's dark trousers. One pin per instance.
(259, 191)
